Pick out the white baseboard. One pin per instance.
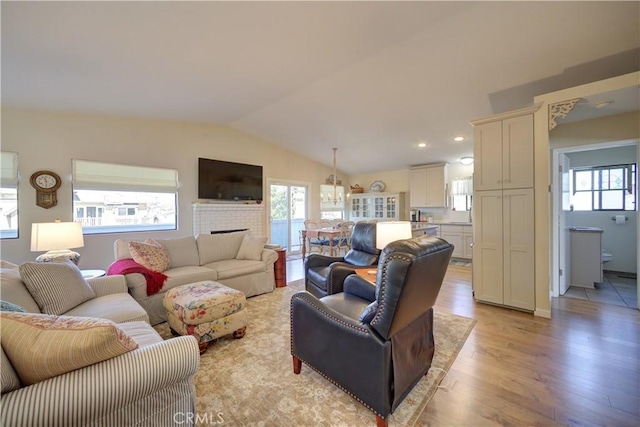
(543, 313)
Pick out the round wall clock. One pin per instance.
(46, 184)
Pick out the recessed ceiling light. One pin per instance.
(603, 104)
(422, 144)
(466, 160)
(458, 138)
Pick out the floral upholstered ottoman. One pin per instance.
(207, 310)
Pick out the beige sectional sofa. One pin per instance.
(218, 257)
(144, 386)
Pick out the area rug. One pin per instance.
(250, 381)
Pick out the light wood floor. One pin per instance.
(582, 367)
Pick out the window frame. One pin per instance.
(629, 186)
(122, 179)
(9, 179)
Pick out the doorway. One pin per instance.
(288, 205)
(617, 263)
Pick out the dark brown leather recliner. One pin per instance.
(375, 342)
(324, 275)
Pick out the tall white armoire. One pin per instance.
(503, 206)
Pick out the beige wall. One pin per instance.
(612, 128)
(544, 236)
(45, 140)
(619, 240)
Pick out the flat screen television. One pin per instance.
(220, 180)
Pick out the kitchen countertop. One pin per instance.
(423, 225)
(426, 225)
(587, 229)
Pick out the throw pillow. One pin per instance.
(42, 346)
(56, 287)
(9, 306)
(150, 254)
(251, 248)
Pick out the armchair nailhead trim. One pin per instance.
(383, 285)
(305, 297)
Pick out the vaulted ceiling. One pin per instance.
(370, 78)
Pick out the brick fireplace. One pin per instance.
(208, 217)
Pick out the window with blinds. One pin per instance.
(110, 198)
(8, 195)
(604, 188)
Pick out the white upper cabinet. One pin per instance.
(503, 153)
(428, 186)
(418, 187)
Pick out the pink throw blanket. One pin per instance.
(154, 279)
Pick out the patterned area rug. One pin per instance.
(250, 381)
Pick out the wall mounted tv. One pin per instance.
(220, 180)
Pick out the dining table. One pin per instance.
(329, 232)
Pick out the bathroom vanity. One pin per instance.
(586, 256)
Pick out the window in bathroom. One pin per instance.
(604, 188)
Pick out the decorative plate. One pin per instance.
(378, 187)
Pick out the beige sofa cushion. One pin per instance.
(175, 277)
(236, 267)
(56, 287)
(217, 247)
(251, 248)
(42, 346)
(119, 308)
(141, 332)
(182, 251)
(13, 289)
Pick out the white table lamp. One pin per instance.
(57, 238)
(390, 231)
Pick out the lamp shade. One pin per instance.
(387, 232)
(47, 236)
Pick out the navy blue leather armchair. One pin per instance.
(324, 275)
(375, 342)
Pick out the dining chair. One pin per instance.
(318, 243)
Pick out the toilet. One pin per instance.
(606, 257)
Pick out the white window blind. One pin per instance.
(88, 175)
(9, 169)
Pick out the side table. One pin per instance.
(90, 274)
(280, 268)
(369, 274)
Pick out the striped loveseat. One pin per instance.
(151, 385)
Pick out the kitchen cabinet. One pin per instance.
(460, 236)
(503, 267)
(428, 186)
(378, 206)
(503, 203)
(503, 153)
(431, 230)
(467, 243)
